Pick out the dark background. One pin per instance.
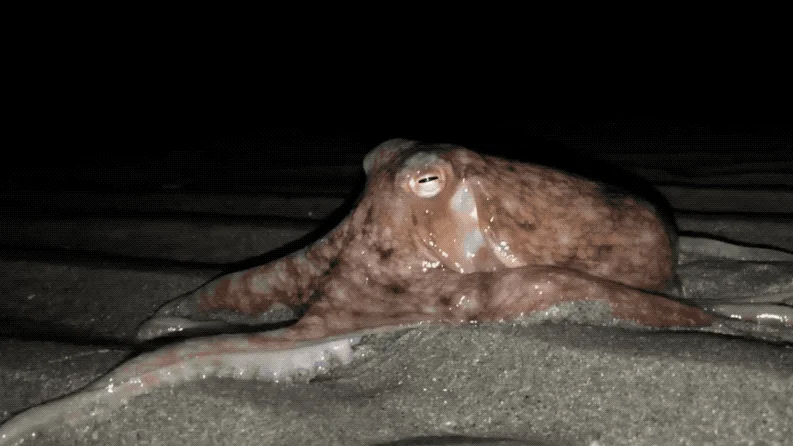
(128, 143)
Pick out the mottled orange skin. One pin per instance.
(617, 238)
(443, 234)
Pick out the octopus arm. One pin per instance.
(273, 293)
(259, 356)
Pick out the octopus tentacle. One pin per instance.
(254, 356)
(447, 297)
(754, 312)
(275, 292)
(773, 305)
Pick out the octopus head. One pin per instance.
(434, 203)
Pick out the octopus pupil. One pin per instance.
(428, 179)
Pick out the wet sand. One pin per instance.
(545, 384)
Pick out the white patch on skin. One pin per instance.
(260, 283)
(473, 241)
(463, 201)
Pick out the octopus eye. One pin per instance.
(427, 185)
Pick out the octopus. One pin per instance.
(441, 234)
